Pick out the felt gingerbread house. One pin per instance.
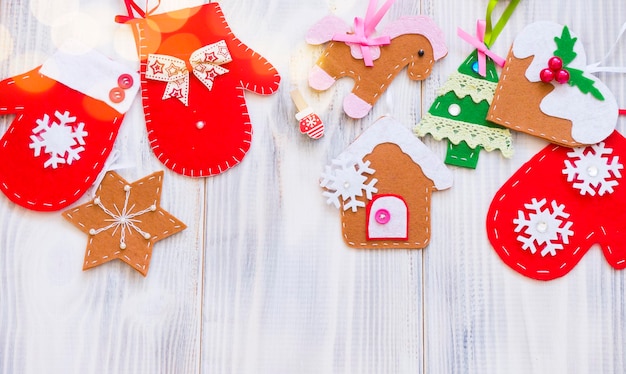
(382, 184)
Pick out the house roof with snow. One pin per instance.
(388, 130)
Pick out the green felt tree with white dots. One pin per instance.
(459, 114)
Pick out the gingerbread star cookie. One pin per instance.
(124, 221)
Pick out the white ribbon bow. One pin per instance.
(205, 64)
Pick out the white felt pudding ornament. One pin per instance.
(546, 89)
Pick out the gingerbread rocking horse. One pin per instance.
(373, 62)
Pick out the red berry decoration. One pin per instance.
(554, 71)
(555, 64)
(562, 76)
(546, 75)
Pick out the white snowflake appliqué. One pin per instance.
(124, 220)
(593, 170)
(63, 140)
(345, 178)
(543, 227)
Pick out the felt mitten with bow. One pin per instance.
(193, 75)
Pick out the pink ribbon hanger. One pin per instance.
(364, 28)
(478, 42)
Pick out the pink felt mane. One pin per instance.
(413, 41)
(329, 26)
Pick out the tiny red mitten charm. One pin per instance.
(193, 74)
(310, 124)
(68, 113)
(564, 200)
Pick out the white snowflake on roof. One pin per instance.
(62, 139)
(345, 178)
(543, 227)
(593, 170)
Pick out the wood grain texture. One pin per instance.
(261, 281)
(497, 321)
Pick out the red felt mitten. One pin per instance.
(68, 112)
(560, 203)
(193, 74)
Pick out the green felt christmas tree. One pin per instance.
(459, 115)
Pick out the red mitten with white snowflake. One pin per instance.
(193, 73)
(68, 112)
(561, 202)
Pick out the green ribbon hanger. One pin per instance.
(492, 33)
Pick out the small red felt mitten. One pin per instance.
(561, 202)
(68, 112)
(193, 74)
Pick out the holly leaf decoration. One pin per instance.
(565, 46)
(565, 50)
(584, 84)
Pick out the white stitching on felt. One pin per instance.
(154, 142)
(495, 231)
(500, 88)
(155, 237)
(61, 202)
(397, 243)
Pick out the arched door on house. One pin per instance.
(387, 218)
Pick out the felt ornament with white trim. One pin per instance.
(564, 200)
(382, 184)
(194, 72)
(459, 114)
(373, 62)
(546, 89)
(123, 221)
(68, 113)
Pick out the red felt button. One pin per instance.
(117, 95)
(125, 81)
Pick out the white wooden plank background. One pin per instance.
(261, 281)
